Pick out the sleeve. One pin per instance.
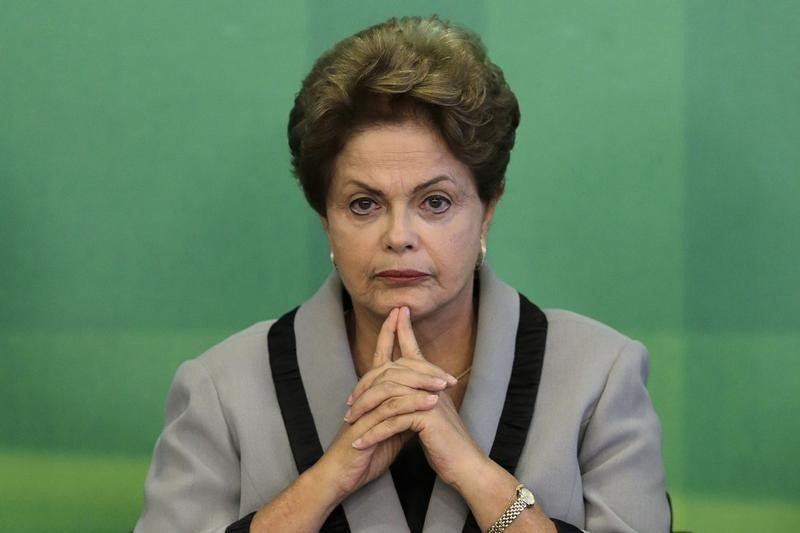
(620, 454)
(193, 484)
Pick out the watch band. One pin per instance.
(524, 500)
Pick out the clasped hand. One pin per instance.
(395, 399)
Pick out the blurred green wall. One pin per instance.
(147, 211)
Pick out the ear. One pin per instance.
(487, 216)
(324, 221)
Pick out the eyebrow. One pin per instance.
(422, 186)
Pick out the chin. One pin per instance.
(422, 301)
(418, 308)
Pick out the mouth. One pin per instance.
(401, 277)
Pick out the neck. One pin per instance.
(446, 337)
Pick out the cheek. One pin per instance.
(354, 250)
(456, 250)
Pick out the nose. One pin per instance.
(399, 234)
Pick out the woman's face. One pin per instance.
(404, 221)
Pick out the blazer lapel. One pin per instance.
(499, 403)
(498, 314)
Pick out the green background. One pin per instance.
(147, 211)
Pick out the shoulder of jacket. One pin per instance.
(244, 349)
(574, 339)
(577, 324)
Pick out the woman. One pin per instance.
(402, 395)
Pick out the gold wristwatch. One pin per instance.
(524, 500)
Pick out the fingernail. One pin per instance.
(349, 401)
(437, 382)
(451, 379)
(357, 443)
(347, 415)
(432, 399)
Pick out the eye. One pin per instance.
(437, 203)
(363, 206)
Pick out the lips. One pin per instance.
(402, 276)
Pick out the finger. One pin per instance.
(394, 424)
(417, 365)
(366, 381)
(382, 355)
(382, 392)
(385, 344)
(405, 336)
(402, 371)
(408, 341)
(419, 375)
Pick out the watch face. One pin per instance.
(526, 496)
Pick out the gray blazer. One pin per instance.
(592, 455)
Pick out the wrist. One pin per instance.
(488, 491)
(481, 476)
(321, 480)
(523, 499)
(302, 506)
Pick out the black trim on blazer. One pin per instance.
(512, 430)
(293, 402)
(523, 386)
(240, 526)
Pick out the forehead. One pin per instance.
(397, 155)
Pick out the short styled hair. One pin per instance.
(407, 68)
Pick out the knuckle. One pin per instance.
(419, 366)
(392, 374)
(393, 404)
(390, 424)
(423, 402)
